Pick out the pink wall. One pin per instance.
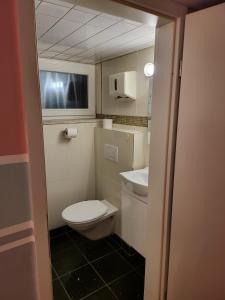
(12, 128)
(18, 240)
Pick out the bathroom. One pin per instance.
(96, 143)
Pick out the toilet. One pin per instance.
(93, 219)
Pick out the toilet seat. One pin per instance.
(85, 211)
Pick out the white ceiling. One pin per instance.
(82, 34)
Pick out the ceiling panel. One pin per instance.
(53, 10)
(61, 30)
(61, 3)
(82, 34)
(44, 23)
(77, 16)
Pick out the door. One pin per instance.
(197, 252)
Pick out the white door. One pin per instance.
(197, 253)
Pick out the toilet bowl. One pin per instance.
(92, 218)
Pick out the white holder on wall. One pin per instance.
(70, 133)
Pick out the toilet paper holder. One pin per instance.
(70, 133)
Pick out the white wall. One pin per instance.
(108, 181)
(70, 167)
(130, 62)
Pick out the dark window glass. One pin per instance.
(63, 90)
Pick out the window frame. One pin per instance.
(53, 65)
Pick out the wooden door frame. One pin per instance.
(154, 289)
(160, 208)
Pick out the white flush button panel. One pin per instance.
(111, 152)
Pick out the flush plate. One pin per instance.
(111, 152)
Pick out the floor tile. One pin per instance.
(95, 249)
(60, 243)
(114, 241)
(81, 282)
(58, 231)
(111, 267)
(129, 287)
(58, 291)
(53, 274)
(135, 259)
(103, 294)
(141, 270)
(68, 260)
(77, 238)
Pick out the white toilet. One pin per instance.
(92, 218)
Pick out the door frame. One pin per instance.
(155, 286)
(160, 208)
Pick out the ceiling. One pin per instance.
(79, 33)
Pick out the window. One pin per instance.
(63, 90)
(67, 89)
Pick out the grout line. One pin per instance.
(119, 35)
(92, 293)
(90, 264)
(73, 270)
(68, 295)
(134, 269)
(82, 25)
(127, 261)
(60, 282)
(55, 43)
(97, 259)
(104, 281)
(120, 277)
(60, 18)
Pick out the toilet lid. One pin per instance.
(84, 211)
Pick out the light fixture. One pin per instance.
(149, 69)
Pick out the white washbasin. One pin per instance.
(136, 181)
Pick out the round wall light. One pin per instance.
(149, 69)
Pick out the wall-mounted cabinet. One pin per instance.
(123, 85)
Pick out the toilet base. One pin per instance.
(102, 229)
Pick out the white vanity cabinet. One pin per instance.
(133, 220)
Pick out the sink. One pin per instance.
(136, 181)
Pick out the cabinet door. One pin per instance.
(133, 221)
(197, 253)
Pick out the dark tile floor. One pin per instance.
(107, 269)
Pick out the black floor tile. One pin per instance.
(58, 291)
(111, 267)
(95, 249)
(81, 282)
(60, 243)
(103, 294)
(135, 259)
(115, 241)
(129, 287)
(141, 270)
(67, 260)
(59, 231)
(77, 238)
(53, 274)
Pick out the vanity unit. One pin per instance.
(134, 208)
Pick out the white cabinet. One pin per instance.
(133, 220)
(123, 85)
